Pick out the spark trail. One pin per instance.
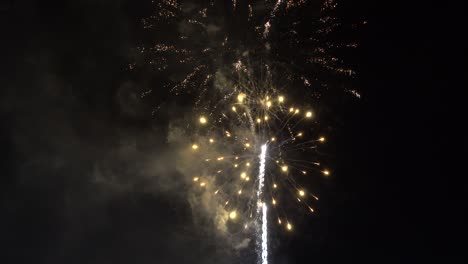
(262, 209)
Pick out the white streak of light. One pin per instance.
(264, 236)
(261, 183)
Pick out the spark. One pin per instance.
(326, 172)
(289, 226)
(301, 193)
(280, 98)
(202, 184)
(194, 146)
(195, 179)
(309, 114)
(233, 214)
(284, 168)
(322, 139)
(203, 120)
(211, 140)
(240, 98)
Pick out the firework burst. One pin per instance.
(253, 154)
(196, 47)
(236, 60)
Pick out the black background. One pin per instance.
(396, 193)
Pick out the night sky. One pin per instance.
(71, 116)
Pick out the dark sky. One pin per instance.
(66, 102)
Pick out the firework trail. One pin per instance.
(263, 207)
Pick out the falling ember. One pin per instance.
(280, 99)
(289, 226)
(309, 114)
(241, 97)
(301, 193)
(211, 140)
(194, 146)
(202, 120)
(284, 168)
(326, 172)
(233, 215)
(195, 179)
(322, 139)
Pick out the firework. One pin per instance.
(237, 62)
(200, 45)
(273, 149)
